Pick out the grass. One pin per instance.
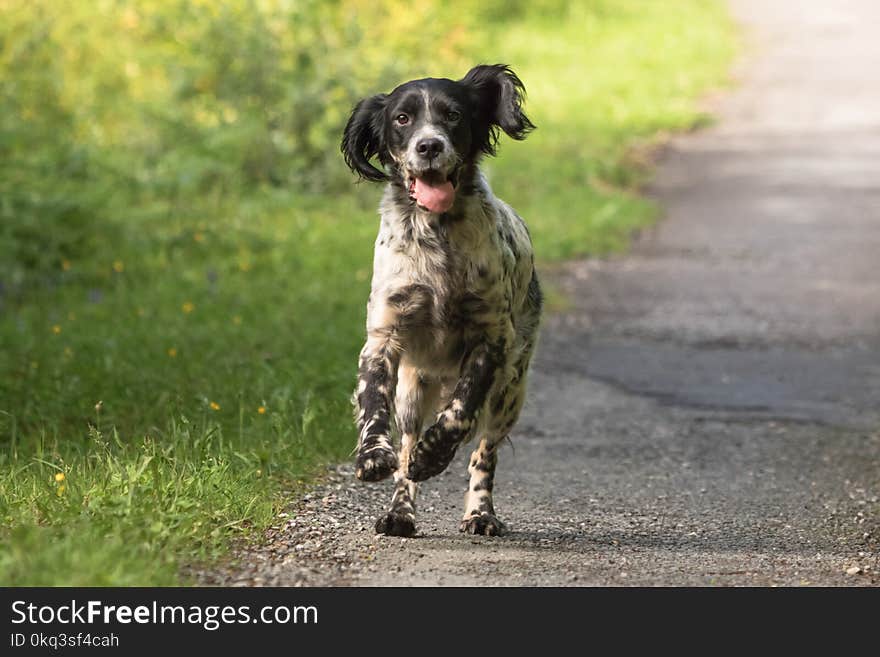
(186, 374)
(604, 83)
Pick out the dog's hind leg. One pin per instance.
(400, 520)
(504, 406)
(479, 513)
(436, 447)
(413, 396)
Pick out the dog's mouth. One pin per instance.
(433, 190)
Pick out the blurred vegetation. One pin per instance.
(115, 109)
(180, 240)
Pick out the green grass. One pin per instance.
(604, 83)
(188, 320)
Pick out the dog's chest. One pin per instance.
(436, 284)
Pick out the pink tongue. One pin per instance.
(436, 198)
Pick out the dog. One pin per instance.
(455, 303)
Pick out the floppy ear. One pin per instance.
(364, 137)
(499, 95)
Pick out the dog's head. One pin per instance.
(425, 131)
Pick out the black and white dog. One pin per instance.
(455, 304)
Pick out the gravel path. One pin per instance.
(707, 412)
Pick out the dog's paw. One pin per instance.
(430, 456)
(375, 463)
(396, 524)
(484, 524)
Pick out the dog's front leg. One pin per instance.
(377, 374)
(436, 448)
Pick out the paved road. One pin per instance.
(708, 412)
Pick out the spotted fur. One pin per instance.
(455, 302)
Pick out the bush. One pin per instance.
(148, 103)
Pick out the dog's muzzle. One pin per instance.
(433, 190)
(432, 170)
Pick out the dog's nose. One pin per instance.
(429, 147)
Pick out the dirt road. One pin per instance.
(708, 412)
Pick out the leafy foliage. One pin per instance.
(121, 103)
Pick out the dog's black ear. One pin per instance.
(499, 95)
(364, 137)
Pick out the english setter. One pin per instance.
(455, 304)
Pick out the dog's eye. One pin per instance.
(452, 116)
(401, 119)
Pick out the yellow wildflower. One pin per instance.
(188, 307)
(172, 352)
(60, 491)
(59, 477)
(118, 266)
(215, 406)
(261, 410)
(56, 329)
